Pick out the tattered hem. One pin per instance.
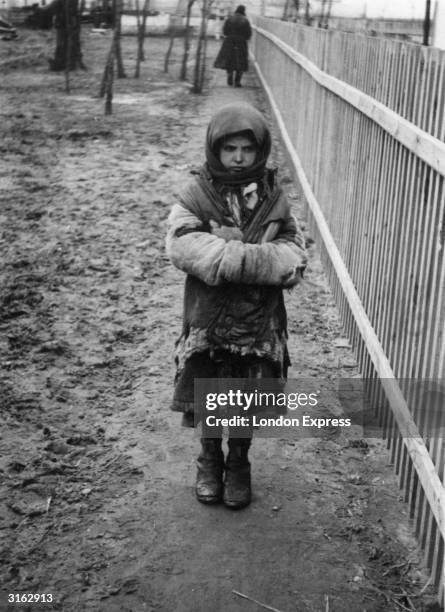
(201, 365)
(273, 350)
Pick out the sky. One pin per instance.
(389, 9)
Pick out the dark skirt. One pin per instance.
(223, 365)
(233, 55)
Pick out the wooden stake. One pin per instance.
(265, 606)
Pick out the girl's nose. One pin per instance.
(238, 155)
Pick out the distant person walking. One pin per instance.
(233, 55)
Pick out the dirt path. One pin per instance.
(96, 493)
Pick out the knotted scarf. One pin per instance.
(233, 119)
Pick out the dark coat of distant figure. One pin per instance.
(233, 55)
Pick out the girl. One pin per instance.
(234, 236)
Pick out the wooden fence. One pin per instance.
(363, 120)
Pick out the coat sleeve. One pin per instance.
(215, 261)
(283, 258)
(196, 251)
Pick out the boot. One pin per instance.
(209, 480)
(237, 486)
(238, 75)
(229, 78)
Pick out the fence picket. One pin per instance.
(366, 135)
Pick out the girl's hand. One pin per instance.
(225, 232)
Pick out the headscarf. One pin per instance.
(241, 10)
(230, 120)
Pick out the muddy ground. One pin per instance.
(96, 503)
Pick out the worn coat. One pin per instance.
(233, 55)
(233, 296)
(234, 313)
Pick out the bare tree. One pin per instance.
(107, 82)
(325, 14)
(117, 22)
(106, 85)
(201, 50)
(286, 10)
(185, 56)
(108, 89)
(114, 55)
(69, 46)
(427, 23)
(321, 15)
(106, 13)
(141, 23)
(204, 46)
(170, 48)
(328, 12)
(66, 16)
(307, 13)
(291, 10)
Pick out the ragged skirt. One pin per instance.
(223, 364)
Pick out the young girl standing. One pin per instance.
(234, 236)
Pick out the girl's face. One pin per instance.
(237, 153)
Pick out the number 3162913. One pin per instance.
(30, 598)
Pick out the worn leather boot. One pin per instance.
(238, 76)
(237, 485)
(209, 480)
(230, 78)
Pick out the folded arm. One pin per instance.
(194, 250)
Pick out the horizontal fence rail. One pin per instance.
(407, 78)
(363, 122)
